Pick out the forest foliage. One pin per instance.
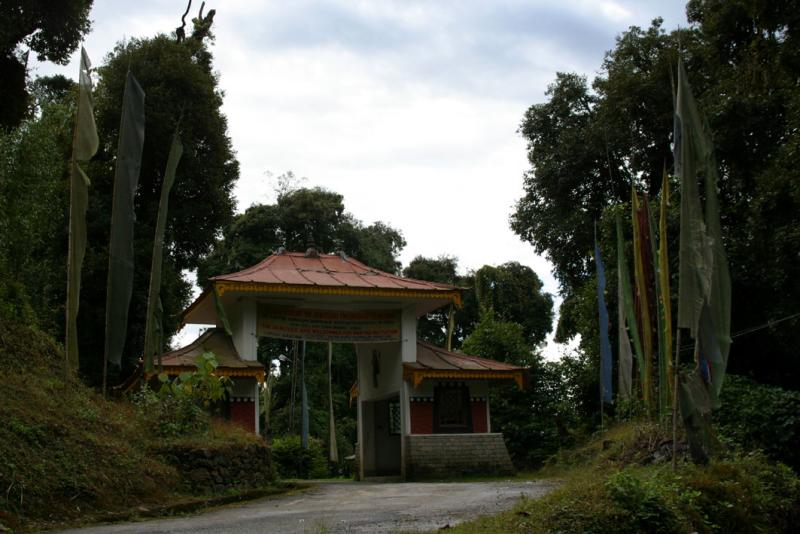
(587, 144)
(590, 141)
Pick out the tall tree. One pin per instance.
(587, 148)
(34, 204)
(180, 82)
(299, 217)
(511, 291)
(514, 293)
(51, 30)
(433, 327)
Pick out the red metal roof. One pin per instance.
(437, 363)
(325, 270)
(212, 340)
(433, 357)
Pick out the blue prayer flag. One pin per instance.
(605, 344)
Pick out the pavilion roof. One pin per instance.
(325, 270)
(217, 341)
(436, 362)
(311, 274)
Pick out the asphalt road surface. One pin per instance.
(350, 507)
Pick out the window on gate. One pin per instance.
(451, 410)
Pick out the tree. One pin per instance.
(587, 147)
(534, 420)
(298, 218)
(499, 340)
(52, 30)
(33, 207)
(513, 292)
(182, 91)
(433, 327)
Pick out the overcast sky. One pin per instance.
(407, 108)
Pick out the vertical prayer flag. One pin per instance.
(642, 262)
(120, 251)
(695, 259)
(304, 400)
(86, 141)
(605, 345)
(704, 295)
(665, 307)
(84, 146)
(153, 337)
(627, 299)
(333, 449)
(625, 356)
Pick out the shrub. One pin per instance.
(170, 416)
(643, 502)
(758, 416)
(291, 460)
(177, 409)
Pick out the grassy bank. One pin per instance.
(66, 453)
(623, 482)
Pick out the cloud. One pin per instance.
(407, 108)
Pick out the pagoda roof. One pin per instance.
(310, 274)
(325, 270)
(436, 362)
(217, 341)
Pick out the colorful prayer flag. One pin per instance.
(642, 260)
(625, 355)
(665, 307)
(627, 300)
(605, 345)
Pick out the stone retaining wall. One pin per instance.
(214, 470)
(446, 455)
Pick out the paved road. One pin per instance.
(350, 507)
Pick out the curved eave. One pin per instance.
(416, 376)
(204, 306)
(223, 286)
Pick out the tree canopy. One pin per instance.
(52, 30)
(588, 145)
(510, 292)
(181, 92)
(297, 219)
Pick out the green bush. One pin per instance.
(745, 494)
(179, 407)
(758, 416)
(292, 461)
(169, 416)
(643, 503)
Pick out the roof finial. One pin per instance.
(311, 251)
(339, 248)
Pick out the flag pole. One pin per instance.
(675, 403)
(304, 400)
(600, 360)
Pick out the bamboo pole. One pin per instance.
(675, 402)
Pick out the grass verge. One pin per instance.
(606, 488)
(68, 454)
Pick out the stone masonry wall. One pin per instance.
(214, 470)
(445, 455)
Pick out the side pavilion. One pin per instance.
(422, 410)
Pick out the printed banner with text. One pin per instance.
(339, 326)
